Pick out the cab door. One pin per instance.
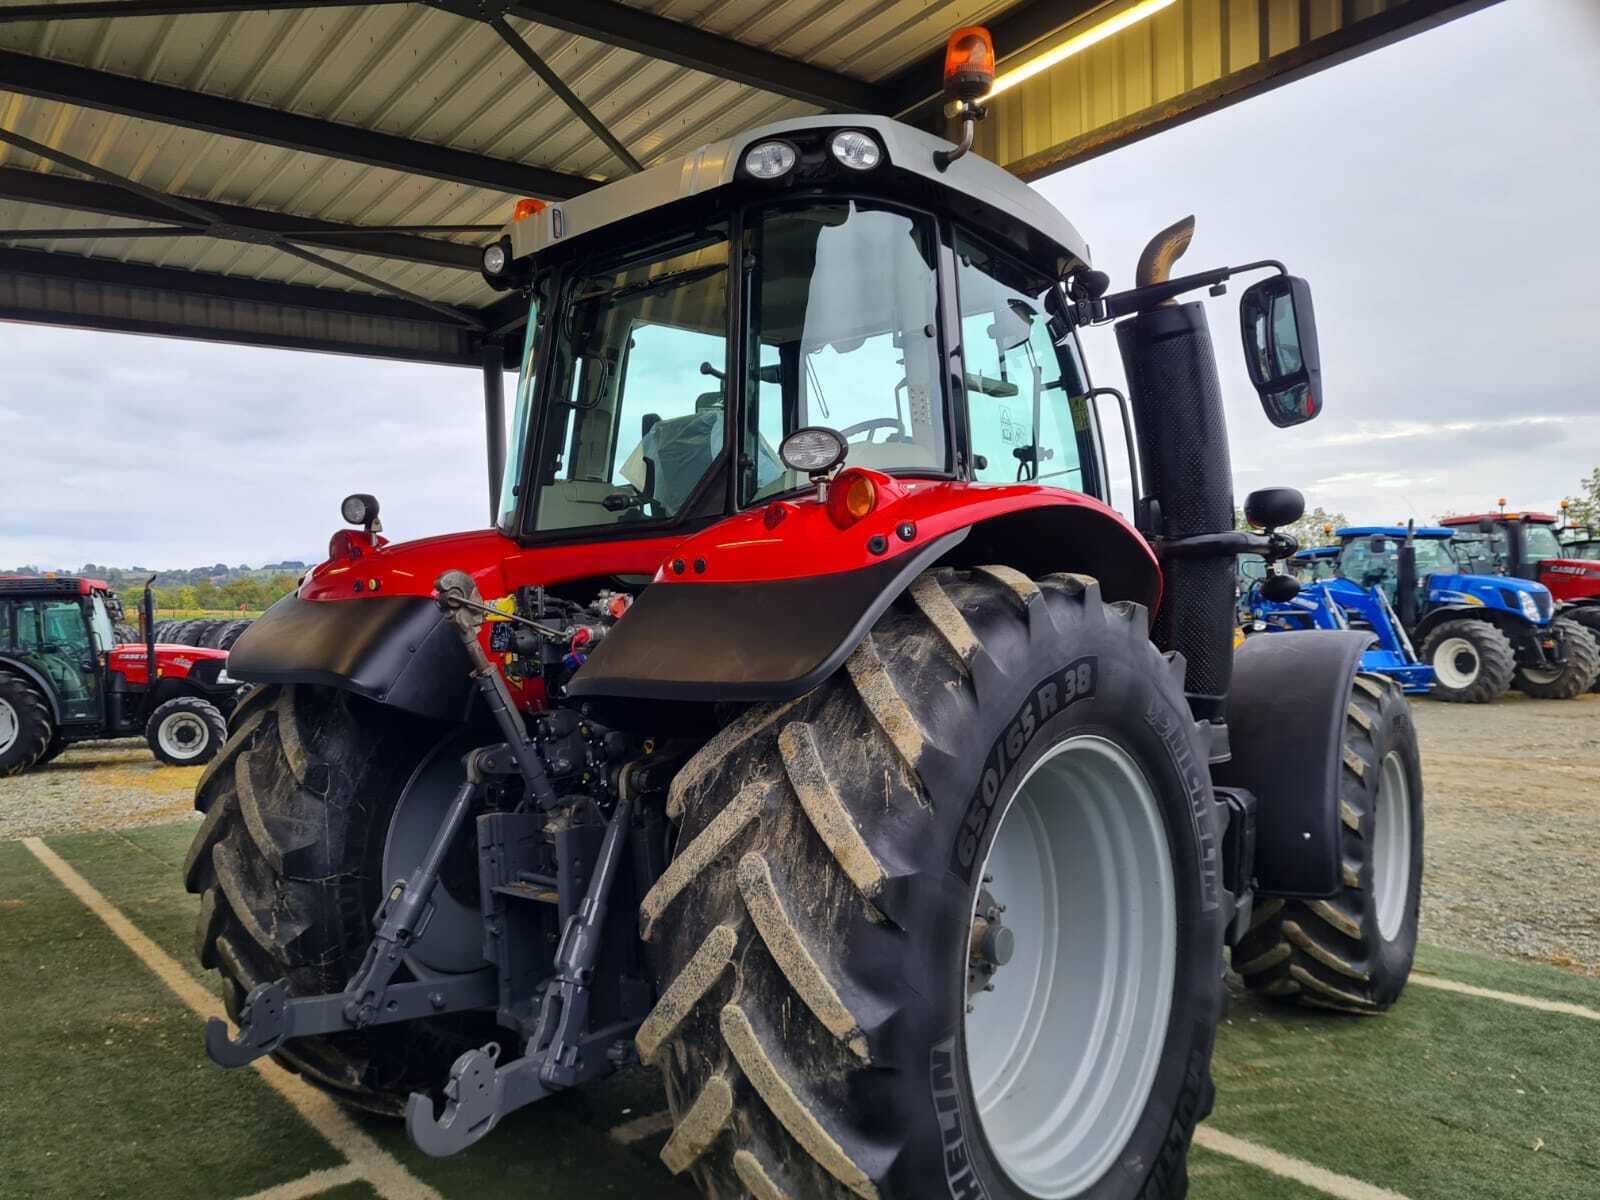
(53, 636)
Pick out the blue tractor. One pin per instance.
(1325, 601)
(1481, 634)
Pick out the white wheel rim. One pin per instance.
(1062, 1054)
(10, 726)
(182, 735)
(1391, 846)
(1535, 675)
(1456, 663)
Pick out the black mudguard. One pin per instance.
(36, 677)
(397, 650)
(1286, 714)
(764, 641)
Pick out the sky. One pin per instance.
(1438, 194)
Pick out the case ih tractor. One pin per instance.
(809, 726)
(65, 676)
(1482, 634)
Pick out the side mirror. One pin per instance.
(1273, 508)
(1280, 589)
(1280, 348)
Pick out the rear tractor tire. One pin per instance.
(1472, 661)
(1354, 952)
(186, 731)
(1577, 674)
(289, 865)
(26, 728)
(912, 913)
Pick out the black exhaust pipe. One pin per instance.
(1187, 474)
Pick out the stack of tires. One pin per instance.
(208, 632)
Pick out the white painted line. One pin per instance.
(1341, 1186)
(640, 1128)
(376, 1165)
(312, 1184)
(1533, 1002)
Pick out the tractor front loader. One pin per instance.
(810, 727)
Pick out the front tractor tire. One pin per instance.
(1575, 676)
(1354, 951)
(289, 868)
(1003, 786)
(186, 731)
(26, 730)
(1472, 660)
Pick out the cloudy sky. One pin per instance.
(1440, 195)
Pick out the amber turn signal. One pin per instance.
(851, 496)
(526, 207)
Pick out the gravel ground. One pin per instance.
(1513, 828)
(1513, 812)
(96, 785)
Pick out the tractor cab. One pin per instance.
(1527, 545)
(1371, 557)
(810, 275)
(1315, 564)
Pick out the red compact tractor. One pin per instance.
(809, 726)
(69, 673)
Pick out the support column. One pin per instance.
(494, 420)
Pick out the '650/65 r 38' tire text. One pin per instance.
(1003, 787)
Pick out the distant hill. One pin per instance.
(131, 579)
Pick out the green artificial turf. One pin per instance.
(108, 1093)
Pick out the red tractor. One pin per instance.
(809, 726)
(1527, 545)
(67, 675)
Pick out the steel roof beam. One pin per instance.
(95, 10)
(68, 84)
(83, 195)
(629, 28)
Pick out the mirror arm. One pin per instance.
(1271, 546)
(1122, 304)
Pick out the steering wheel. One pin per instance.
(867, 427)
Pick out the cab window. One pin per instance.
(638, 401)
(1027, 407)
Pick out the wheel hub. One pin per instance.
(1069, 999)
(10, 726)
(182, 734)
(1455, 662)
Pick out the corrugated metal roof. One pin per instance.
(395, 113)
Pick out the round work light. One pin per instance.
(494, 258)
(855, 150)
(359, 509)
(815, 450)
(769, 160)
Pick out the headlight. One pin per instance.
(359, 509)
(494, 259)
(855, 150)
(769, 160)
(1529, 608)
(815, 449)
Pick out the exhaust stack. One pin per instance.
(1188, 476)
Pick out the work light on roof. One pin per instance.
(855, 150)
(769, 160)
(494, 259)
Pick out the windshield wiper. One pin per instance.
(673, 279)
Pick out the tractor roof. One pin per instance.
(1315, 552)
(50, 585)
(1538, 518)
(1003, 204)
(1395, 531)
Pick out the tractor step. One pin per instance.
(522, 890)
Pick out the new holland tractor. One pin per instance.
(1325, 601)
(1481, 634)
(809, 726)
(67, 676)
(1526, 545)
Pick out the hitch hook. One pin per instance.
(263, 1022)
(471, 1106)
